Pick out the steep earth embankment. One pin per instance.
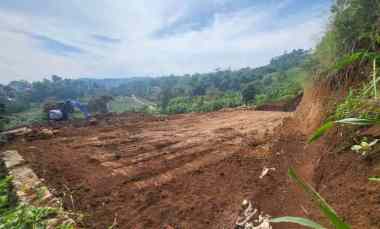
(340, 175)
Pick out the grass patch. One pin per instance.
(123, 104)
(27, 117)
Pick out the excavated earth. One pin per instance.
(194, 170)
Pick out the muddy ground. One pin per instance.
(194, 170)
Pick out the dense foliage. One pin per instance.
(203, 103)
(282, 78)
(354, 26)
(352, 40)
(22, 215)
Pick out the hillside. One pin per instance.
(282, 79)
(218, 164)
(194, 170)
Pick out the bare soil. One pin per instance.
(187, 171)
(282, 105)
(194, 170)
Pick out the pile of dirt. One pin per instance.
(287, 105)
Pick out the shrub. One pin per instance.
(16, 106)
(203, 103)
(249, 93)
(22, 216)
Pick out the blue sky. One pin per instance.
(122, 38)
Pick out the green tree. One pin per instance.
(357, 25)
(56, 78)
(165, 96)
(99, 104)
(249, 93)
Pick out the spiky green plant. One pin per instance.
(325, 208)
(321, 131)
(350, 121)
(297, 220)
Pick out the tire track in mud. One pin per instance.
(169, 176)
(144, 171)
(172, 158)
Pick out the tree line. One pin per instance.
(174, 94)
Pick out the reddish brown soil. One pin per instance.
(190, 171)
(194, 170)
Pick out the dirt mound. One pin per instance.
(282, 105)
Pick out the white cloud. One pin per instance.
(243, 37)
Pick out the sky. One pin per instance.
(129, 38)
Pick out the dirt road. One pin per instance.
(186, 171)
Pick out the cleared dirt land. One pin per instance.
(187, 171)
(194, 170)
